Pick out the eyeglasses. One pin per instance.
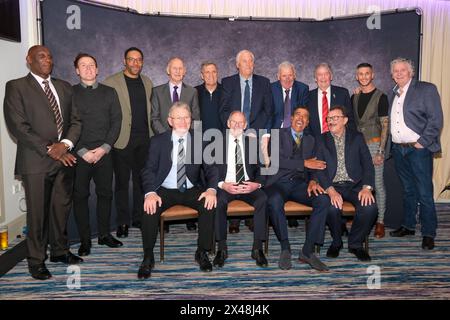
(240, 123)
(334, 118)
(181, 118)
(132, 60)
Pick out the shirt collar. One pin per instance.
(175, 137)
(94, 85)
(294, 133)
(40, 79)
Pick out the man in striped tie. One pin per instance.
(171, 176)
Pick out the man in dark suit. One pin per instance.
(165, 95)
(250, 94)
(324, 97)
(239, 179)
(416, 122)
(287, 94)
(296, 158)
(349, 176)
(40, 114)
(171, 176)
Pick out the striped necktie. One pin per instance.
(181, 167)
(238, 161)
(54, 105)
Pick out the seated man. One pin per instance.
(350, 177)
(239, 179)
(296, 155)
(171, 177)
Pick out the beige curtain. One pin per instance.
(435, 47)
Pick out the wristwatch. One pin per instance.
(368, 187)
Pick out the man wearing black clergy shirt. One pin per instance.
(172, 176)
(209, 94)
(134, 90)
(100, 113)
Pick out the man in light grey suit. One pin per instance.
(416, 121)
(130, 150)
(165, 95)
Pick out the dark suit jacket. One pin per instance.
(261, 109)
(162, 101)
(339, 96)
(31, 121)
(287, 163)
(422, 112)
(159, 163)
(299, 97)
(358, 160)
(252, 166)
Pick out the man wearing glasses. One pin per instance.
(129, 152)
(350, 177)
(172, 176)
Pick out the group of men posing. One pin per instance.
(326, 147)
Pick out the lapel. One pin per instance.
(409, 95)
(166, 95)
(59, 91)
(348, 143)
(184, 93)
(329, 142)
(289, 140)
(38, 91)
(123, 90)
(294, 93)
(278, 95)
(332, 97)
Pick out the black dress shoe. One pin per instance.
(203, 260)
(258, 255)
(85, 249)
(136, 224)
(427, 243)
(333, 251)
(360, 253)
(220, 258)
(292, 223)
(145, 270)
(191, 226)
(313, 261)
(122, 231)
(401, 232)
(40, 272)
(233, 228)
(68, 258)
(109, 241)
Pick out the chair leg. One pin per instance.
(161, 240)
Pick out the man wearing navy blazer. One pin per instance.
(173, 175)
(324, 97)
(291, 182)
(416, 122)
(350, 176)
(251, 94)
(240, 179)
(287, 94)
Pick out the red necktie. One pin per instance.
(324, 112)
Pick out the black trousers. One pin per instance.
(49, 199)
(102, 173)
(171, 197)
(129, 162)
(257, 199)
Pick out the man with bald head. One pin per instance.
(40, 115)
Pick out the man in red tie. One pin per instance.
(324, 97)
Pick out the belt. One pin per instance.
(407, 144)
(374, 140)
(342, 183)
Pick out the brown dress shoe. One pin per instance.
(379, 230)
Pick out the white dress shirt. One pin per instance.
(231, 160)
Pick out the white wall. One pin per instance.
(12, 57)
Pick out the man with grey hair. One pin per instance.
(171, 177)
(416, 122)
(251, 94)
(166, 94)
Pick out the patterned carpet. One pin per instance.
(406, 271)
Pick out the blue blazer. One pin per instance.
(339, 96)
(299, 97)
(159, 163)
(287, 163)
(422, 112)
(261, 109)
(358, 160)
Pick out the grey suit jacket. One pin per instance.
(117, 81)
(162, 101)
(422, 112)
(31, 121)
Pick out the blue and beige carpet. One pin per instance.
(406, 271)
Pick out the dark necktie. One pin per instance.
(324, 112)
(238, 161)
(287, 110)
(175, 95)
(54, 105)
(246, 106)
(181, 168)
